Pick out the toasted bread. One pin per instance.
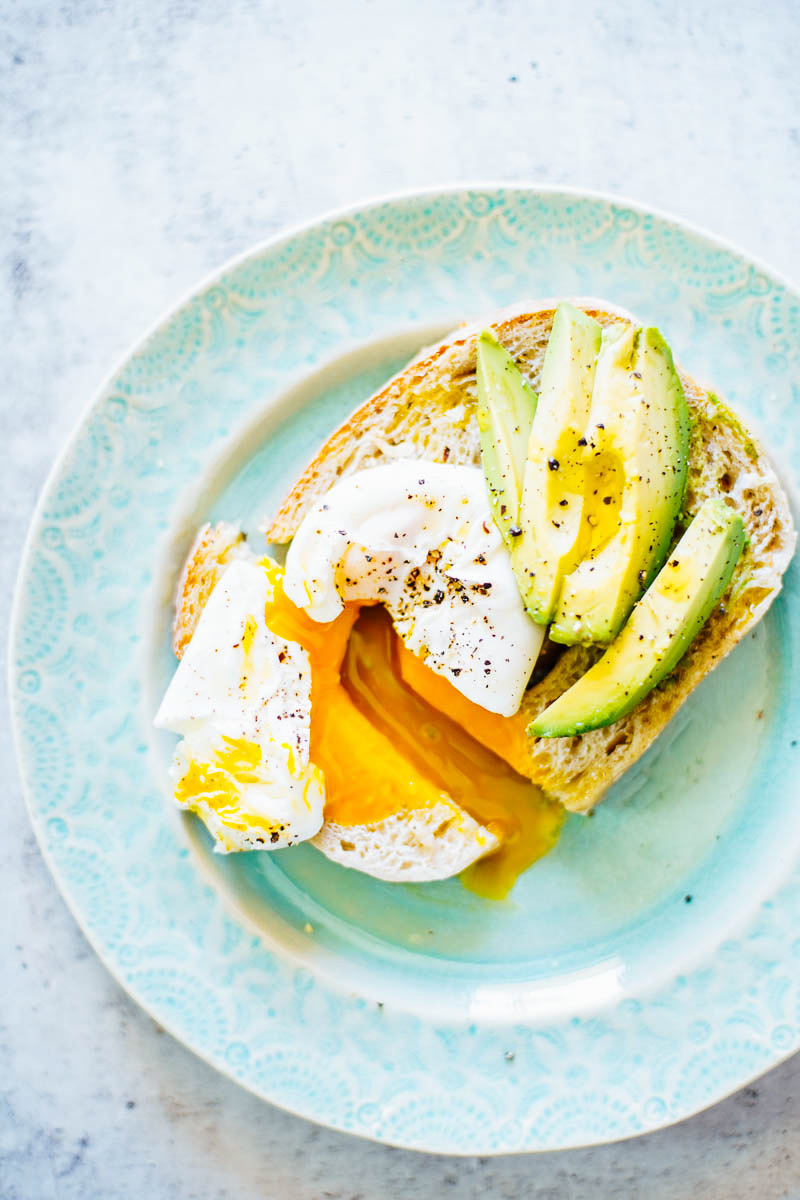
(428, 412)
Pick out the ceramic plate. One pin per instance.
(651, 964)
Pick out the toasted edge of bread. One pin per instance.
(213, 549)
(427, 411)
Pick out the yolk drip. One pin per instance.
(605, 485)
(527, 823)
(218, 784)
(506, 736)
(248, 637)
(384, 749)
(366, 777)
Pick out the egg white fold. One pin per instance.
(419, 538)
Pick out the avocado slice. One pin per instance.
(506, 406)
(553, 534)
(662, 625)
(637, 454)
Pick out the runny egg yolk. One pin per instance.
(515, 810)
(383, 749)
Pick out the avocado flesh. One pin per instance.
(636, 466)
(662, 626)
(506, 407)
(553, 533)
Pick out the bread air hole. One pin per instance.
(619, 739)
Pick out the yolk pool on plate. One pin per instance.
(383, 748)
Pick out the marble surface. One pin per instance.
(143, 145)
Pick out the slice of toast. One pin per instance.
(428, 411)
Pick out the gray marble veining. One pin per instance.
(145, 143)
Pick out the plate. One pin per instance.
(645, 969)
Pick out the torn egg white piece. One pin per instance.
(419, 538)
(241, 698)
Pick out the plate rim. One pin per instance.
(284, 236)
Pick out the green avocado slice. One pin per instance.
(635, 470)
(553, 533)
(660, 629)
(506, 407)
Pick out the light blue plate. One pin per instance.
(646, 968)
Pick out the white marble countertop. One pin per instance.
(143, 145)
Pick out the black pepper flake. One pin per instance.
(456, 671)
(515, 531)
(606, 499)
(562, 504)
(582, 441)
(273, 837)
(600, 425)
(553, 464)
(438, 597)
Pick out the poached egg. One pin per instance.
(419, 538)
(241, 699)
(296, 719)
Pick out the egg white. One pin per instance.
(419, 538)
(241, 698)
